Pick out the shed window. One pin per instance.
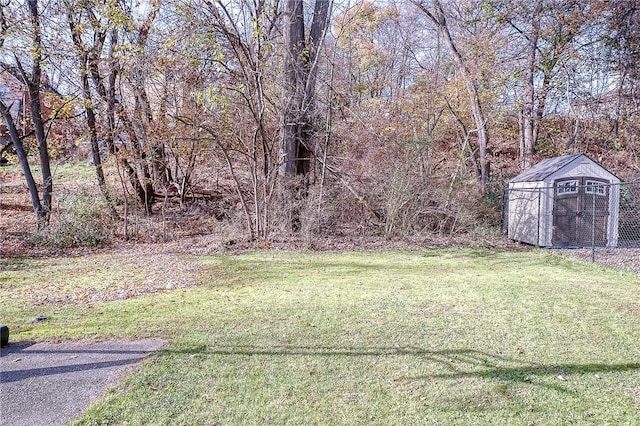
(594, 187)
(567, 187)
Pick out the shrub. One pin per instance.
(79, 220)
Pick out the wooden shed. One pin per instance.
(568, 201)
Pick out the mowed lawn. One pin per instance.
(451, 337)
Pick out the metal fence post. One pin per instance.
(593, 227)
(539, 216)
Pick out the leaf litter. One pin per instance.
(120, 275)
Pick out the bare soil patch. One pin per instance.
(105, 276)
(618, 258)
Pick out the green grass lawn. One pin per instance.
(434, 337)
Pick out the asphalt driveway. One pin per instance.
(52, 384)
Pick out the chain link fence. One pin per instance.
(588, 218)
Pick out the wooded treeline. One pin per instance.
(323, 116)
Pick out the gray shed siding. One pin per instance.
(531, 198)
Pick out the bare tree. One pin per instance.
(247, 32)
(435, 12)
(32, 78)
(108, 80)
(86, 53)
(623, 40)
(528, 129)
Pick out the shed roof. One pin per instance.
(547, 167)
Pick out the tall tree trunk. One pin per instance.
(300, 68)
(299, 123)
(33, 84)
(33, 80)
(84, 57)
(93, 133)
(528, 126)
(107, 92)
(542, 101)
(24, 164)
(293, 89)
(152, 161)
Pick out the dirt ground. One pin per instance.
(618, 258)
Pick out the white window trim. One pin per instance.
(567, 187)
(594, 187)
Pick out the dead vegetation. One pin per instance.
(412, 214)
(211, 220)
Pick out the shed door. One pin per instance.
(580, 212)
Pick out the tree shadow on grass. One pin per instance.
(450, 364)
(359, 264)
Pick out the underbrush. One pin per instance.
(407, 205)
(78, 220)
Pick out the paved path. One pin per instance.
(52, 384)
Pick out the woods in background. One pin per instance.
(326, 116)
